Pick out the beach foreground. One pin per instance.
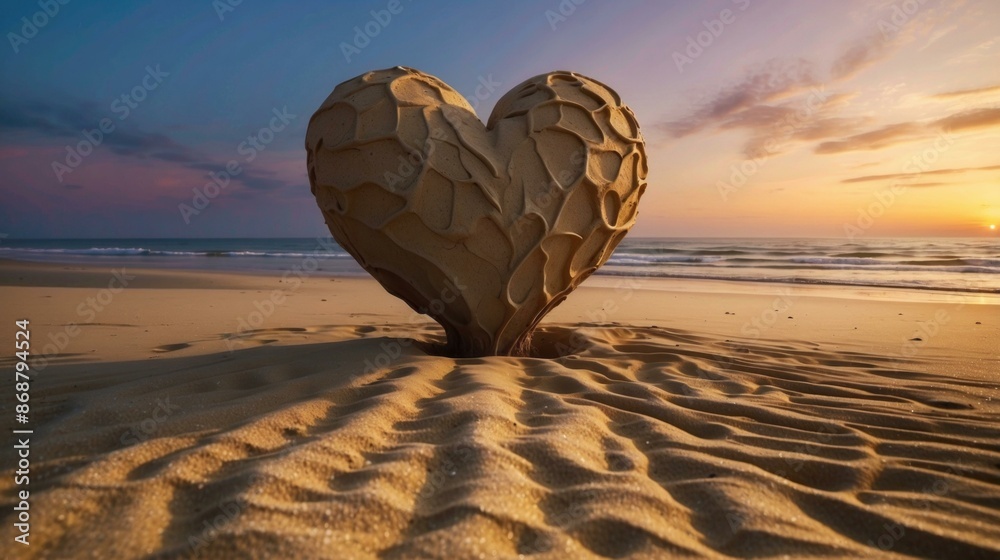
(227, 415)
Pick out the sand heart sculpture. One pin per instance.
(484, 228)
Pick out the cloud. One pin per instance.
(829, 127)
(875, 139)
(769, 101)
(262, 183)
(898, 133)
(865, 164)
(894, 29)
(861, 55)
(964, 92)
(890, 176)
(69, 120)
(751, 101)
(65, 121)
(781, 136)
(775, 128)
(797, 110)
(47, 118)
(758, 116)
(774, 101)
(975, 118)
(938, 35)
(983, 52)
(774, 80)
(203, 166)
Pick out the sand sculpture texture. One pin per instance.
(484, 228)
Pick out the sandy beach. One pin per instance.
(224, 415)
(557, 280)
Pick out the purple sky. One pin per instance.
(762, 118)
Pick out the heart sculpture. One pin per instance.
(484, 228)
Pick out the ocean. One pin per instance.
(944, 264)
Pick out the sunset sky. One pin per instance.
(761, 118)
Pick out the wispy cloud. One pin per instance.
(898, 133)
(862, 54)
(892, 176)
(975, 118)
(875, 139)
(780, 93)
(772, 81)
(776, 102)
(68, 120)
(965, 92)
(63, 122)
(983, 52)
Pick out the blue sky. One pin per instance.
(894, 81)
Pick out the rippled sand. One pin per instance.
(336, 441)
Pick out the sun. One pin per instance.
(993, 227)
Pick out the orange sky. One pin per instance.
(762, 117)
(874, 129)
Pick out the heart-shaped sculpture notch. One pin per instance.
(484, 228)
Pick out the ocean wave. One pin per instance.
(143, 252)
(863, 255)
(895, 263)
(952, 262)
(720, 252)
(775, 265)
(838, 261)
(867, 283)
(629, 259)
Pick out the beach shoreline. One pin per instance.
(880, 319)
(211, 414)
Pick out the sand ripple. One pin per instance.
(637, 442)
